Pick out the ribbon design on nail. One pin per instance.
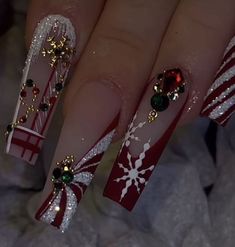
(70, 180)
(167, 88)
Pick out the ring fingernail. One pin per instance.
(147, 136)
(47, 65)
(219, 104)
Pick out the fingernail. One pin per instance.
(152, 126)
(47, 65)
(88, 131)
(219, 103)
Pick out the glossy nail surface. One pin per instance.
(46, 69)
(219, 104)
(152, 126)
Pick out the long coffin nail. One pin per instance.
(83, 141)
(219, 104)
(47, 66)
(147, 136)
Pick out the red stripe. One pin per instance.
(217, 92)
(25, 145)
(209, 110)
(60, 215)
(45, 206)
(76, 191)
(36, 116)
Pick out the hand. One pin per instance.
(119, 45)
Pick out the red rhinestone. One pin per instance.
(23, 94)
(23, 119)
(52, 100)
(36, 91)
(172, 79)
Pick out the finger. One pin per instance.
(107, 84)
(56, 44)
(193, 42)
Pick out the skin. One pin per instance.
(124, 42)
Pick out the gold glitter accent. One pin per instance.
(58, 51)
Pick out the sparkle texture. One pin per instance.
(218, 99)
(221, 109)
(99, 148)
(70, 210)
(83, 177)
(230, 73)
(51, 212)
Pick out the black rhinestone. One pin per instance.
(58, 186)
(56, 173)
(9, 128)
(57, 52)
(159, 102)
(58, 87)
(181, 89)
(29, 83)
(43, 107)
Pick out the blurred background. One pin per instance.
(189, 201)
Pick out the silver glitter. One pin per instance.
(99, 148)
(220, 97)
(221, 109)
(70, 209)
(230, 45)
(222, 79)
(45, 27)
(51, 212)
(83, 177)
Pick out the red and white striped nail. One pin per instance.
(219, 104)
(47, 66)
(70, 179)
(152, 126)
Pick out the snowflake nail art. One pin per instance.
(139, 155)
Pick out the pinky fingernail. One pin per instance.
(46, 69)
(219, 103)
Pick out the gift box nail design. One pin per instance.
(48, 62)
(152, 126)
(219, 103)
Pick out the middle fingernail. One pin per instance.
(152, 126)
(88, 130)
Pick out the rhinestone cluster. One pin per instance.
(169, 85)
(63, 174)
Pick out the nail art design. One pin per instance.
(143, 144)
(70, 180)
(219, 103)
(167, 88)
(47, 66)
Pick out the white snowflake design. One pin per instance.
(130, 134)
(133, 174)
